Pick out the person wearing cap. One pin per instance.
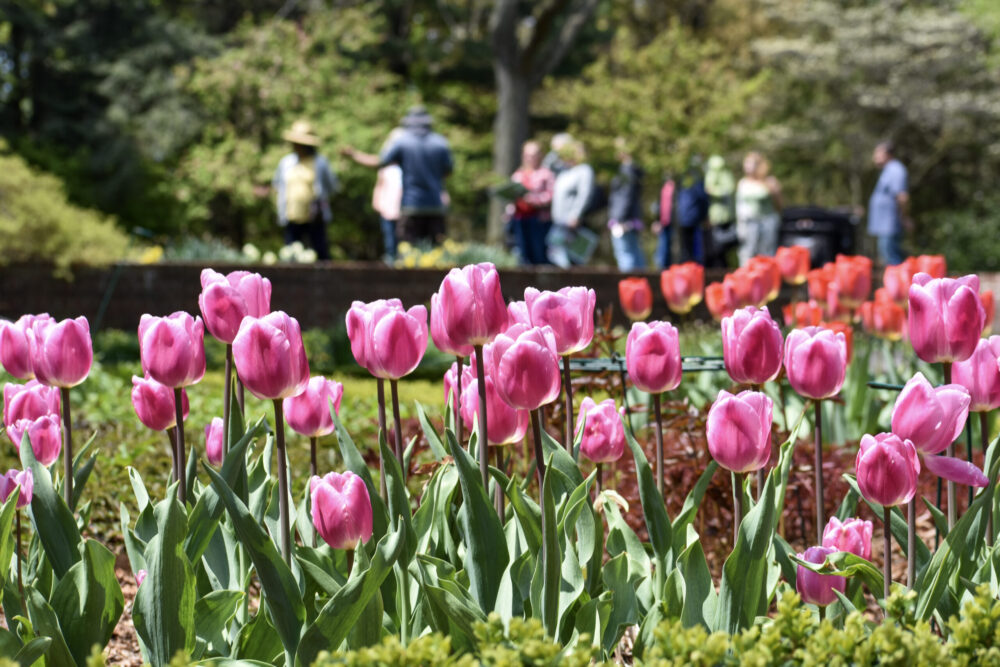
(303, 184)
(426, 160)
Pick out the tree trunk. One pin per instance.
(510, 130)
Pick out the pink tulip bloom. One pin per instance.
(815, 588)
(309, 413)
(853, 536)
(472, 306)
(504, 424)
(44, 434)
(653, 356)
(887, 468)
(15, 351)
(213, 441)
(569, 312)
(930, 417)
(61, 352)
(29, 401)
(751, 346)
(13, 478)
(603, 432)
(270, 357)
(439, 334)
(226, 299)
(140, 577)
(816, 361)
(517, 313)
(451, 380)
(739, 430)
(387, 340)
(154, 403)
(525, 366)
(980, 374)
(341, 509)
(172, 349)
(946, 317)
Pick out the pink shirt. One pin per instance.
(537, 200)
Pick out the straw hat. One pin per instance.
(301, 133)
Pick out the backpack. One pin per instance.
(598, 199)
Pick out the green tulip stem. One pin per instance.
(887, 563)
(172, 442)
(397, 423)
(457, 407)
(818, 465)
(67, 448)
(227, 400)
(984, 435)
(760, 471)
(968, 450)
(383, 430)
(952, 488)
(279, 440)
(911, 542)
(536, 430)
(498, 499)
(568, 385)
(484, 448)
(737, 505)
(179, 445)
(658, 416)
(20, 581)
(600, 481)
(313, 446)
(241, 395)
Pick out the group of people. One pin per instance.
(551, 197)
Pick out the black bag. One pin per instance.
(598, 199)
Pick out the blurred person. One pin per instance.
(531, 218)
(758, 202)
(625, 211)
(888, 208)
(557, 145)
(692, 214)
(720, 186)
(572, 192)
(303, 184)
(425, 159)
(387, 198)
(664, 211)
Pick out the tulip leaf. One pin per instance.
(939, 517)
(547, 579)
(653, 508)
(624, 605)
(433, 439)
(848, 506)
(45, 623)
(284, 601)
(622, 539)
(529, 516)
(486, 548)
(259, 641)
(33, 651)
(700, 598)
(354, 462)
(53, 521)
(342, 612)
(846, 564)
(7, 537)
(212, 614)
(555, 455)
(82, 469)
(399, 500)
(690, 509)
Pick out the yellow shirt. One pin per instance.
(300, 191)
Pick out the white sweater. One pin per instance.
(571, 193)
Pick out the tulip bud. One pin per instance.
(603, 432)
(44, 434)
(172, 349)
(930, 417)
(213, 441)
(154, 403)
(933, 265)
(387, 340)
(752, 346)
(472, 306)
(853, 275)
(819, 281)
(439, 334)
(568, 312)
(887, 467)
(793, 262)
(270, 357)
(15, 351)
(61, 353)
(989, 310)
(946, 317)
(897, 278)
(883, 317)
(309, 412)
(739, 430)
(140, 577)
(504, 424)
(29, 401)
(815, 588)
(682, 286)
(770, 276)
(716, 301)
(226, 299)
(816, 361)
(636, 297)
(653, 356)
(853, 536)
(341, 509)
(13, 478)
(980, 375)
(525, 366)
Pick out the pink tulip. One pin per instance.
(472, 306)
(525, 366)
(816, 361)
(739, 430)
(439, 334)
(226, 299)
(980, 374)
(13, 478)
(387, 340)
(172, 349)
(815, 588)
(887, 467)
(29, 401)
(946, 317)
(270, 357)
(15, 351)
(451, 384)
(213, 441)
(61, 353)
(603, 432)
(504, 424)
(517, 313)
(341, 509)
(853, 536)
(140, 577)
(653, 356)
(569, 312)
(154, 403)
(930, 417)
(751, 346)
(309, 413)
(44, 434)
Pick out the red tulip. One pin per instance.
(883, 317)
(819, 281)
(653, 356)
(44, 434)
(569, 312)
(226, 299)
(636, 297)
(794, 263)
(172, 349)
(946, 317)
(715, 300)
(29, 401)
(603, 438)
(803, 314)
(933, 265)
(897, 279)
(682, 286)
(439, 334)
(14, 478)
(815, 588)
(752, 346)
(853, 275)
(525, 366)
(270, 358)
(816, 361)
(15, 351)
(980, 375)
(738, 288)
(989, 310)
(154, 403)
(213, 441)
(739, 430)
(504, 424)
(61, 353)
(930, 417)
(853, 536)
(308, 413)
(887, 468)
(472, 306)
(341, 509)
(387, 340)
(769, 267)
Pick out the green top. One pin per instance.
(753, 200)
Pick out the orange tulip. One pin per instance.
(768, 265)
(854, 279)
(682, 286)
(715, 299)
(986, 296)
(803, 314)
(883, 317)
(636, 297)
(819, 281)
(934, 265)
(794, 263)
(845, 329)
(897, 279)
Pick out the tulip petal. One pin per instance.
(956, 470)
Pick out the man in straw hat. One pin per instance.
(304, 183)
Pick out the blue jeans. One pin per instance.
(663, 239)
(890, 248)
(389, 238)
(529, 235)
(628, 253)
(691, 240)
